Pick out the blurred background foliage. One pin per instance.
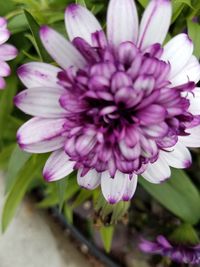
(180, 195)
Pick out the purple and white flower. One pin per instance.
(178, 253)
(7, 52)
(119, 104)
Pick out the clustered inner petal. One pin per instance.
(121, 107)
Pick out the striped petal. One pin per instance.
(40, 101)
(192, 140)
(178, 58)
(57, 166)
(157, 172)
(41, 135)
(178, 156)
(155, 23)
(36, 74)
(90, 181)
(130, 188)
(80, 22)
(62, 51)
(7, 52)
(113, 188)
(191, 72)
(127, 30)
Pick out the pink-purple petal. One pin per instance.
(7, 52)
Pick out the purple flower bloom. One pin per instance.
(117, 106)
(178, 253)
(7, 52)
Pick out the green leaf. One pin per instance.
(61, 188)
(5, 155)
(143, 3)
(178, 194)
(81, 2)
(19, 189)
(194, 34)
(16, 162)
(34, 27)
(106, 233)
(6, 103)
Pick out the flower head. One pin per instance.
(119, 105)
(7, 52)
(178, 253)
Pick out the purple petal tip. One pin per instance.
(47, 176)
(112, 201)
(72, 8)
(187, 163)
(44, 30)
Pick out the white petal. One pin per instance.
(122, 21)
(192, 140)
(36, 74)
(89, 181)
(178, 52)
(191, 72)
(41, 102)
(113, 188)
(4, 69)
(80, 22)
(130, 188)
(41, 135)
(4, 35)
(194, 98)
(178, 156)
(57, 166)
(155, 23)
(62, 51)
(157, 172)
(7, 52)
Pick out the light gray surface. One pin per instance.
(33, 240)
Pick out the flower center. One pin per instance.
(121, 107)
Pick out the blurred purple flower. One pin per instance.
(117, 106)
(7, 52)
(178, 253)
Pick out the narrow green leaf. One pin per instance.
(106, 233)
(5, 155)
(6, 103)
(34, 27)
(16, 162)
(194, 33)
(19, 189)
(178, 194)
(61, 188)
